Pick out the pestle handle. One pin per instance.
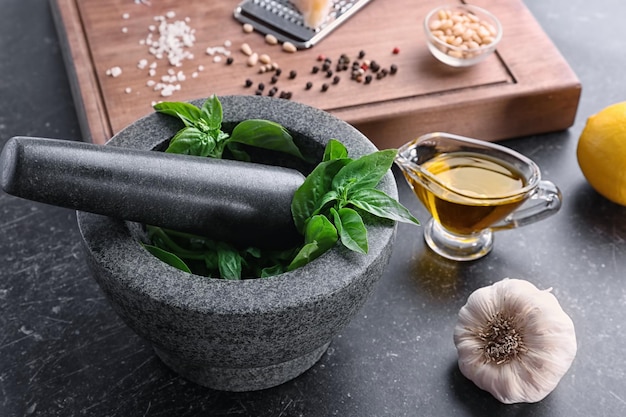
(239, 202)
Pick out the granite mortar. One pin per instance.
(237, 335)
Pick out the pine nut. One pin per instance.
(271, 39)
(246, 49)
(463, 30)
(289, 47)
(253, 59)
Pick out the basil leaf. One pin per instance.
(329, 197)
(162, 239)
(272, 271)
(238, 152)
(351, 228)
(191, 141)
(334, 150)
(365, 172)
(168, 257)
(309, 252)
(322, 231)
(211, 260)
(265, 134)
(221, 140)
(380, 204)
(212, 112)
(320, 236)
(229, 262)
(307, 197)
(186, 112)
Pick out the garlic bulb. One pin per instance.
(514, 341)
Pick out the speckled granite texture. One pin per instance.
(241, 335)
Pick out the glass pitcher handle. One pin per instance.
(544, 201)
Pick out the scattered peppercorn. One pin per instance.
(278, 72)
(292, 74)
(336, 79)
(230, 60)
(393, 69)
(308, 85)
(329, 73)
(261, 87)
(396, 50)
(315, 70)
(321, 57)
(274, 79)
(324, 87)
(272, 91)
(325, 66)
(361, 54)
(368, 79)
(249, 82)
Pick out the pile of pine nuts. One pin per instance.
(463, 32)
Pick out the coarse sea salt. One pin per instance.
(114, 72)
(173, 41)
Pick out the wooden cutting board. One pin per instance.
(525, 88)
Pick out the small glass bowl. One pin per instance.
(460, 47)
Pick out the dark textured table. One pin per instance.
(63, 351)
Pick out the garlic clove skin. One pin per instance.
(514, 341)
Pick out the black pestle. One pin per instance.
(239, 202)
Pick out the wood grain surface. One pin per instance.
(525, 88)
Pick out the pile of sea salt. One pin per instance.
(169, 40)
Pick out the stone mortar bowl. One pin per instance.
(237, 335)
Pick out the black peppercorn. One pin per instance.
(308, 85)
(324, 87)
(393, 69)
(248, 83)
(292, 74)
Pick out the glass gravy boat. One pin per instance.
(473, 188)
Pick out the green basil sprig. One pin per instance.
(326, 207)
(203, 135)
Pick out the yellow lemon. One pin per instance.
(601, 152)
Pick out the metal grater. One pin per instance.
(281, 19)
